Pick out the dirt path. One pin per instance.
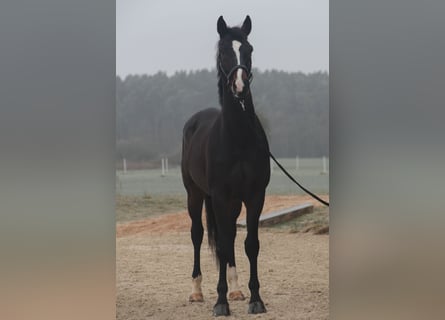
(155, 258)
(181, 222)
(154, 277)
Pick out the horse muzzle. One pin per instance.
(239, 83)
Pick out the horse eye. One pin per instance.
(247, 48)
(248, 52)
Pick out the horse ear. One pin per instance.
(247, 25)
(221, 26)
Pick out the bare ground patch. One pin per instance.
(179, 221)
(155, 260)
(154, 276)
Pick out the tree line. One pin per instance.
(151, 111)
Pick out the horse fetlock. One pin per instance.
(196, 295)
(235, 292)
(236, 296)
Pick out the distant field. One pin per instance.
(150, 182)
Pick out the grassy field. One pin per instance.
(143, 194)
(142, 182)
(316, 222)
(130, 208)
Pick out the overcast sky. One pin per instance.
(172, 35)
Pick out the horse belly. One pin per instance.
(197, 171)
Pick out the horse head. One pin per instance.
(234, 58)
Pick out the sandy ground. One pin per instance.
(155, 259)
(154, 277)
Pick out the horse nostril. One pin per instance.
(239, 85)
(239, 81)
(244, 76)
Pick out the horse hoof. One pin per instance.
(236, 296)
(256, 307)
(221, 309)
(196, 297)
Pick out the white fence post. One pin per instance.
(118, 184)
(324, 165)
(163, 166)
(125, 165)
(271, 165)
(166, 165)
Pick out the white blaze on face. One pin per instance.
(239, 83)
(232, 277)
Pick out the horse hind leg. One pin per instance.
(225, 213)
(235, 293)
(220, 214)
(194, 203)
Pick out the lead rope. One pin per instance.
(313, 195)
(297, 183)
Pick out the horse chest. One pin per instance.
(238, 176)
(238, 166)
(241, 172)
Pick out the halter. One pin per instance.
(232, 71)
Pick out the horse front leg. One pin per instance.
(225, 251)
(254, 206)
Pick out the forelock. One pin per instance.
(234, 33)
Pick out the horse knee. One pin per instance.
(197, 233)
(225, 246)
(252, 247)
(222, 287)
(222, 251)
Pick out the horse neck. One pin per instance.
(238, 123)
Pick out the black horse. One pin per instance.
(225, 163)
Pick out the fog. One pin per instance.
(174, 35)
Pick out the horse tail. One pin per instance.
(212, 231)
